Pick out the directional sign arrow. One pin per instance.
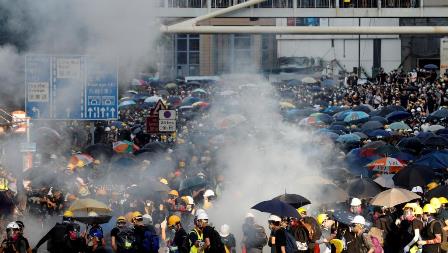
(102, 111)
(36, 111)
(112, 110)
(68, 112)
(90, 110)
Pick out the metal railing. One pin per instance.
(290, 3)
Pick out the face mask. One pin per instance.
(173, 230)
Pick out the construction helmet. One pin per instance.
(209, 193)
(136, 214)
(358, 219)
(418, 210)
(301, 211)
(428, 208)
(164, 181)
(432, 185)
(443, 200)
(12, 225)
(121, 219)
(410, 206)
(173, 220)
(435, 203)
(174, 193)
(203, 216)
(275, 218)
(355, 202)
(338, 244)
(68, 214)
(321, 218)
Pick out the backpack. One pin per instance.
(444, 243)
(216, 245)
(257, 238)
(73, 232)
(125, 239)
(291, 245)
(376, 245)
(150, 242)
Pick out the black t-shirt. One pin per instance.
(114, 232)
(431, 229)
(208, 233)
(179, 239)
(280, 239)
(22, 245)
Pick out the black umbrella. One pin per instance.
(99, 150)
(414, 175)
(386, 150)
(371, 125)
(294, 200)
(277, 207)
(362, 108)
(436, 141)
(103, 219)
(361, 135)
(397, 116)
(346, 217)
(412, 144)
(379, 119)
(439, 114)
(440, 191)
(192, 183)
(363, 188)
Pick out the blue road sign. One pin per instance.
(70, 88)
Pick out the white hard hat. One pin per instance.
(12, 225)
(199, 211)
(209, 193)
(224, 231)
(190, 200)
(417, 189)
(355, 202)
(359, 220)
(273, 217)
(250, 215)
(92, 214)
(147, 219)
(202, 216)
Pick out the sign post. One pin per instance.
(152, 122)
(443, 55)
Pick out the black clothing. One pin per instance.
(179, 240)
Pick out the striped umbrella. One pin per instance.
(124, 147)
(386, 165)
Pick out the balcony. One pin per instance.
(307, 8)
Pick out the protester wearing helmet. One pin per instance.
(410, 227)
(146, 238)
(432, 232)
(277, 240)
(254, 236)
(355, 206)
(354, 239)
(12, 242)
(120, 228)
(209, 196)
(325, 224)
(178, 242)
(195, 236)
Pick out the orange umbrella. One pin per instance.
(124, 147)
(79, 161)
(386, 165)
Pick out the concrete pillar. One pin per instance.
(206, 55)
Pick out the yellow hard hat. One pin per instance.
(121, 218)
(174, 193)
(428, 208)
(418, 210)
(443, 200)
(432, 185)
(173, 220)
(68, 214)
(136, 214)
(163, 181)
(301, 211)
(410, 205)
(321, 218)
(338, 244)
(435, 203)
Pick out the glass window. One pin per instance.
(194, 58)
(194, 44)
(181, 45)
(182, 58)
(187, 54)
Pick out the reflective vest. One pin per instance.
(193, 248)
(4, 184)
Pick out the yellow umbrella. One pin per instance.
(286, 105)
(89, 205)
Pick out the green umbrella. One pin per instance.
(399, 126)
(171, 86)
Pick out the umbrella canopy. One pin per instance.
(379, 133)
(294, 200)
(436, 142)
(434, 128)
(308, 80)
(363, 188)
(430, 66)
(88, 205)
(356, 117)
(364, 108)
(346, 217)
(124, 147)
(79, 161)
(201, 104)
(379, 119)
(440, 114)
(190, 100)
(386, 150)
(101, 219)
(170, 86)
(439, 191)
(411, 144)
(198, 92)
(386, 165)
(286, 105)
(192, 183)
(385, 181)
(414, 175)
(399, 126)
(393, 197)
(348, 138)
(397, 116)
(277, 207)
(361, 135)
(437, 160)
(127, 103)
(152, 99)
(371, 125)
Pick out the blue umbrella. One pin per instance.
(348, 138)
(436, 160)
(371, 125)
(117, 124)
(340, 116)
(379, 119)
(379, 133)
(338, 128)
(397, 116)
(346, 217)
(190, 100)
(277, 207)
(293, 82)
(356, 117)
(199, 91)
(328, 83)
(410, 144)
(127, 103)
(431, 66)
(333, 109)
(422, 136)
(152, 99)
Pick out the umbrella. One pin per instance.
(201, 104)
(170, 86)
(100, 219)
(399, 126)
(152, 99)
(340, 116)
(422, 136)
(379, 119)
(386, 165)
(371, 125)
(437, 160)
(88, 205)
(439, 191)
(385, 181)
(440, 114)
(434, 128)
(436, 141)
(333, 109)
(386, 150)
(192, 183)
(277, 207)
(80, 161)
(379, 133)
(198, 92)
(127, 103)
(325, 118)
(190, 100)
(412, 144)
(231, 121)
(430, 66)
(363, 188)
(414, 175)
(348, 138)
(356, 117)
(294, 200)
(361, 135)
(308, 80)
(346, 217)
(393, 197)
(339, 128)
(286, 105)
(99, 150)
(364, 108)
(374, 145)
(124, 147)
(397, 116)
